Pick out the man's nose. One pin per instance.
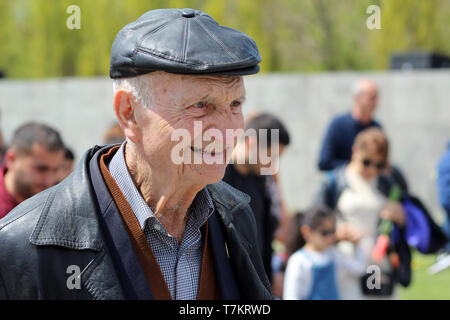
(223, 121)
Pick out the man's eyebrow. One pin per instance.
(195, 100)
(206, 96)
(41, 166)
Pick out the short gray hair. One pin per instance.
(139, 87)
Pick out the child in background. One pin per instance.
(311, 272)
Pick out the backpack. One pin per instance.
(421, 231)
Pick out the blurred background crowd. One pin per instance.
(363, 117)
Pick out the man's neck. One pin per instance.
(10, 187)
(167, 196)
(356, 114)
(354, 169)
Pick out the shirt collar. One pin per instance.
(202, 207)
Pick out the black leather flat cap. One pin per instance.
(182, 41)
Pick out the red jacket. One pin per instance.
(7, 202)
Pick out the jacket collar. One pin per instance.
(68, 216)
(229, 198)
(228, 201)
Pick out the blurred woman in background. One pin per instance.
(353, 191)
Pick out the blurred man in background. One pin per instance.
(31, 164)
(248, 178)
(339, 138)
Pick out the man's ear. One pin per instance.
(10, 158)
(125, 108)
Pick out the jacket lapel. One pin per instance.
(238, 220)
(226, 280)
(128, 268)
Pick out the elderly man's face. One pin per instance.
(179, 102)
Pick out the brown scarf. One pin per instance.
(208, 289)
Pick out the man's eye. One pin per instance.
(42, 169)
(236, 103)
(200, 104)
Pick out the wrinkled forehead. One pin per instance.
(165, 85)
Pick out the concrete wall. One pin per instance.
(414, 109)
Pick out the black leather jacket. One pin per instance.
(60, 227)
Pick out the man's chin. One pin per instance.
(207, 174)
(37, 191)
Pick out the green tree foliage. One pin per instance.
(307, 35)
(411, 25)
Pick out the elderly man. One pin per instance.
(131, 222)
(337, 145)
(31, 164)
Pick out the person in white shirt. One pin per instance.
(311, 272)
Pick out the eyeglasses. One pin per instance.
(327, 233)
(380, 165)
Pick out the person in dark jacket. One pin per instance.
(247, 177)
(336, 149)
(132, 222)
